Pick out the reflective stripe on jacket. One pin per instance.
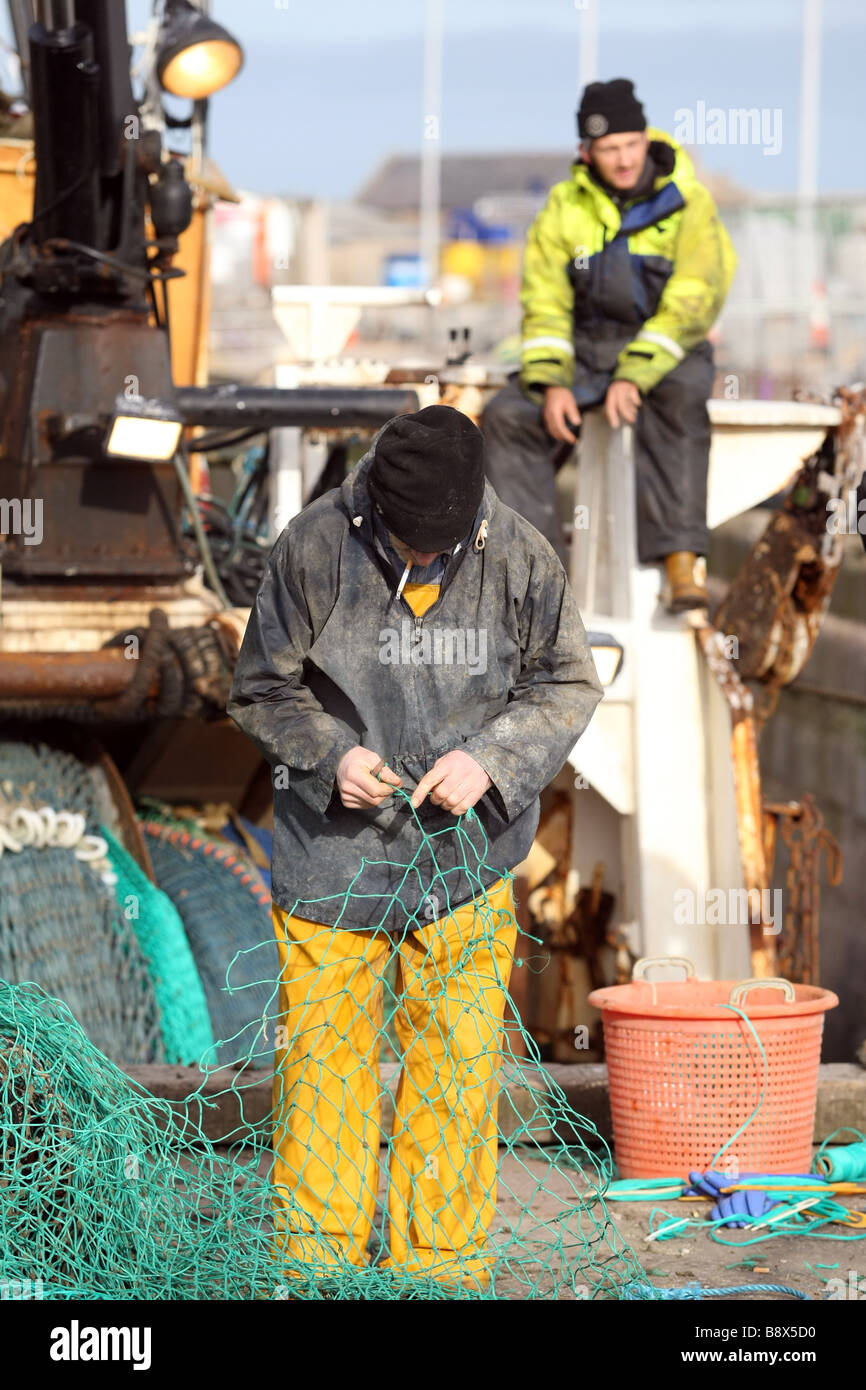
(628, 293)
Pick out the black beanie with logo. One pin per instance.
(609, 108)
(427, 477)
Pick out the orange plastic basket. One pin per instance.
(685, 1072)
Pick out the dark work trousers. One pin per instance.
(671, 452)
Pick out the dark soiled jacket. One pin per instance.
(310, 684)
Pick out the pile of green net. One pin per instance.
(61, 924)
(107, 1192)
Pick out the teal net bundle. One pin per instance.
(184, 1020)
(458, 1171)
(224, 909)
(61, 925)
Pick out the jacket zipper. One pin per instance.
(418, 619)
(413, 677)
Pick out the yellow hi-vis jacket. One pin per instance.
(628, 293)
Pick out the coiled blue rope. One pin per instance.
(696, 1290)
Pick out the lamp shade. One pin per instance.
(195, 56)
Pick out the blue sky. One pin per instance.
(331, 87)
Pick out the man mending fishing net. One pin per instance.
(412, 632)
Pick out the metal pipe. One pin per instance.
(65, 84)
(311, 407)
(64, 674)
(56, 14)
(587, 53)
(21, 15)
(807, 164)
(430, 212)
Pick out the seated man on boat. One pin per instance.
(627, 266)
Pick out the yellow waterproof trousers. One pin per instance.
(452, 983)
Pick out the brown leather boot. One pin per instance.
(687, 581)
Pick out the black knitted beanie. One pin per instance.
(609, 108)
(427, 477)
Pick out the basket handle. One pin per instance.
(641, 966)
(775, 982)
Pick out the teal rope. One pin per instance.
(638, 1189)
(758, 1107)
(796, 1227)
(845, 1163)
(799, 1223)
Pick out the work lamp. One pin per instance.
(195, 56)
(143, 428)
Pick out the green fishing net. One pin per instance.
(60, 923)
(412, 1146)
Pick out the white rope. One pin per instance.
(46, 828)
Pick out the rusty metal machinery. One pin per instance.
(747, 787)
(806, 839)
(84, 325)
(84, 322)
(776, 604)
(76, 320)
(774, 608)
(150, 672)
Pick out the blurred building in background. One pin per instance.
(795, 318)
(783, 326)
